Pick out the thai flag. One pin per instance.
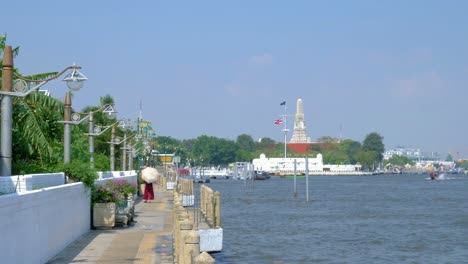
(278, 121)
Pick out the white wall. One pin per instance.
(29, 182)
(36, 225)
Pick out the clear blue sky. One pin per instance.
(221, 68)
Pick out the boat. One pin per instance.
(261, 175)
(434, 175)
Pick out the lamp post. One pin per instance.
(67, 129)
(74, 86)
(130, 156)
(96, 131)
(22, 89)
(124, 152)
(116, 141)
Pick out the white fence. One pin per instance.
(29, 182)
(38, 224)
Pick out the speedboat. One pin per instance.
(434, 175)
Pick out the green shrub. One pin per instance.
(80, 172)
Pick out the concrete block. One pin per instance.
(188, 200)
(170, 185)
(211, 240)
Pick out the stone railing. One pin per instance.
(185, 186)
(186, 239)
(185, 189)
(210, 206)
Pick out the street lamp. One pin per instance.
(74, 81)
(117, 141)
(96, 131)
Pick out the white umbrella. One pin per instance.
(150, 174)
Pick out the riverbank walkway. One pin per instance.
(146, 240)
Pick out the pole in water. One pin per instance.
(295, 183)
(307, 178)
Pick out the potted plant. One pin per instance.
(113, 202)
(104, 201)
(122, 188)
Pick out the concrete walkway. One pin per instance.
(147, 240)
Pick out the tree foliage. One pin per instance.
(398, 160)
(374, 142)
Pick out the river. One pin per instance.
(348, 219)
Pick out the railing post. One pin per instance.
(185, 227)
(217, 210)
(192, 246)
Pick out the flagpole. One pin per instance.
(285, 130)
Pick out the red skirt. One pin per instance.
(149, 193)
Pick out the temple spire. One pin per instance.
(299, 133)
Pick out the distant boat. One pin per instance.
(262, 175)
(434, 175)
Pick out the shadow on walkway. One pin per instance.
(146, 240)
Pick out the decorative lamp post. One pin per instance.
(116, 141)
(96, 131)
(74, 82)
(21, 88)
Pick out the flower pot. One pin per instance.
(104, 215)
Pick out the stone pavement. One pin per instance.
(147, 240)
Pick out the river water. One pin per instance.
(348, 219)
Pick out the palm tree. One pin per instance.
(36, 128)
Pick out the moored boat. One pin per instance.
(261, 175)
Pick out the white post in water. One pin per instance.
(307, 179)
(295, 184)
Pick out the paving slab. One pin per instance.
(146, 240)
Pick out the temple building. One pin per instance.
(300, 141)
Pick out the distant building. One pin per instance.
(284, 166)
(414, 154)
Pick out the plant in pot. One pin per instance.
(122, 188)
(104, 201)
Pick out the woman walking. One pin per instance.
(149, 175)
(148, 195)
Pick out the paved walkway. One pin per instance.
(147, 240)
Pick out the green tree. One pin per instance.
(265, 145)
(350, 148)
(398, 160)
(245, 142)
(106, 100)
(374, 142)
(367, 159)
(213, 151)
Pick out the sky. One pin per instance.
(222, 68)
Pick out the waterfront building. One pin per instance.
(284, 166)
(414, 154)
